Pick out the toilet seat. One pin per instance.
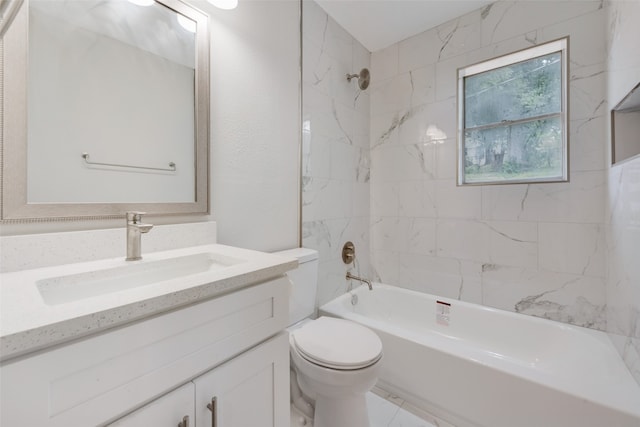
(337, 344)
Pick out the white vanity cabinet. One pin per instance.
(149, 372)
(239, 393)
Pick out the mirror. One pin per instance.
(625, 127)
(111, 112)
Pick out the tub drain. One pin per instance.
(354, 299)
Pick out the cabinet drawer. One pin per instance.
(167, 411)
(95, 380)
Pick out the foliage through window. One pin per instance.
(512, 117)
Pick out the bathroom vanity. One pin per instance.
(205, 347)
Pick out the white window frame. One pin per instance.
(557, 46)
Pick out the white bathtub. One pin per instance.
(490, 367)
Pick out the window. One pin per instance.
(512, 117)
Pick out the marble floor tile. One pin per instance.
(382, 413)
(407, 419)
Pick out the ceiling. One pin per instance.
(380, 23)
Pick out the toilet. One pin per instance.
(334, 362)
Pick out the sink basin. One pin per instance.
(75, 287)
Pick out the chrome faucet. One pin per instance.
(135, 229)
(360, 279)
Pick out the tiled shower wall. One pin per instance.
(623, 214)
(335, 145)
(537, 249)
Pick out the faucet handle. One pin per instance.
(135, 216)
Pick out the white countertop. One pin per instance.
(28, 323)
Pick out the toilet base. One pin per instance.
(298, 419)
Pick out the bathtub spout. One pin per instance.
(360, 279)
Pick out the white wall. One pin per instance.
(335, 158)
(255, 123)
(623, 204)
(536, 249)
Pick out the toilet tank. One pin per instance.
(304, 283)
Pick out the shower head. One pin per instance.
(363, 78)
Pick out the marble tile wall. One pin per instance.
(537, 249)
(335, 145)
(622, 221)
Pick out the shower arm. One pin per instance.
(363, 78)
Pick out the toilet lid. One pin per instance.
(337, 344)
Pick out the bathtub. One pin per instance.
(477, 366)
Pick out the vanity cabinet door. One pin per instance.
(173, 409)
(251, 390)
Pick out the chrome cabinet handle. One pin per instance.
(184, 422)
(213, 407)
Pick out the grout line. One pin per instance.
(394, 400)
(400, 405)
(409, 408)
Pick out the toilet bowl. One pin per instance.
(334, 362)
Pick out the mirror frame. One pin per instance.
(14, 206)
